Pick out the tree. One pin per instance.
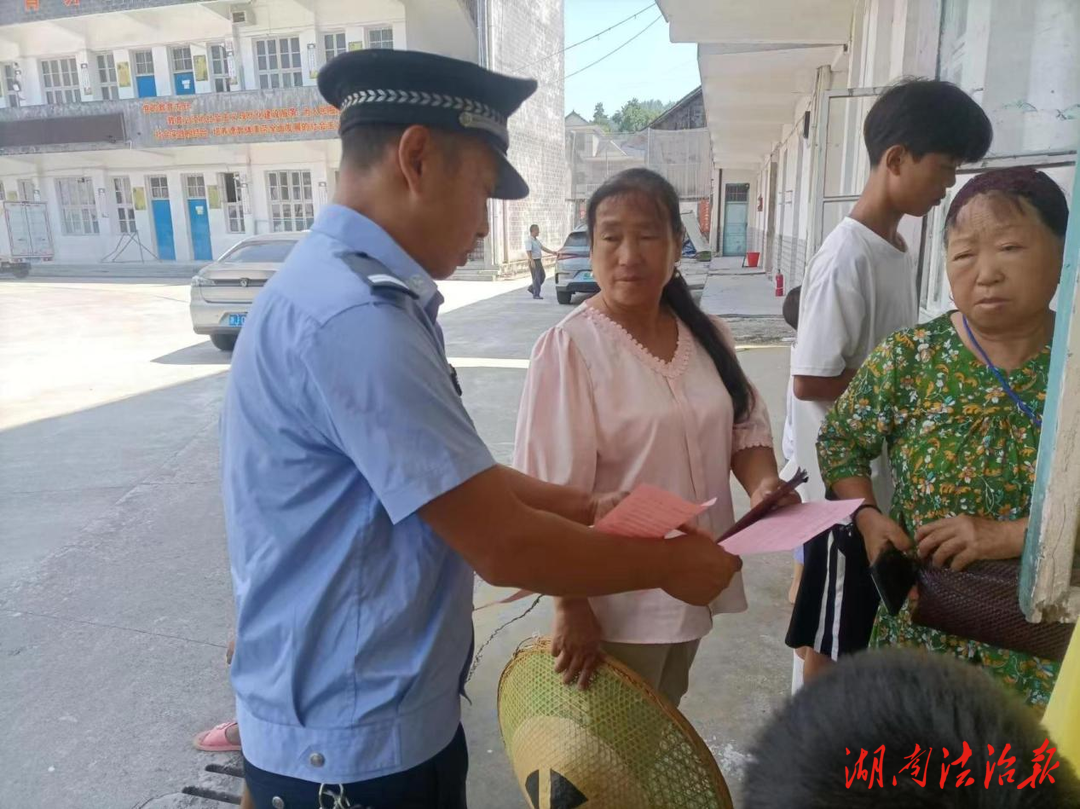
(636, 115)
(600, 118)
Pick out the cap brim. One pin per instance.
(510, 184)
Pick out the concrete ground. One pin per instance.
(115, 601)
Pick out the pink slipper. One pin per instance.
(215, 740)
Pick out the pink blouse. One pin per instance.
(600, 413)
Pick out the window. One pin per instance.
(333, 45)
(181, 59)
(159, 188)
(10, 81)
(737, 192)
(274, 252)
(125, 209)
(195, 186)
(61, 80)
(277, 63)
(219, 68)
(234, 207)
(78, 214)
(106, 66)
(291, 206)
(144, 63)
(27, 191)
(380, 38)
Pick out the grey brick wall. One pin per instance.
(523, 32)
(688, 114)
(20, 11)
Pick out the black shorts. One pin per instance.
(436, 784)
(837, 601)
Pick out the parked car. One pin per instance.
(222, 292)
(573, 270)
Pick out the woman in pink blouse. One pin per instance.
(638, 385)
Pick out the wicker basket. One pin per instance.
(617, 745)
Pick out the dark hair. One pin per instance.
(533, 226)
(364, 145)
(676, 293)
(1015, 184)
(924, 116)
(900, 698)
(791, 307)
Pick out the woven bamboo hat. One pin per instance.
(617, 745)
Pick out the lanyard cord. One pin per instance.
(1020, 403)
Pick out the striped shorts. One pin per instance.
(837, 601)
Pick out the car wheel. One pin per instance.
(226, 342)
(22, 272)
(564, 297)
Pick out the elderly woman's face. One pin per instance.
(633, 251)
(1003, 262)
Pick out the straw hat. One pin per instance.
(617, 745)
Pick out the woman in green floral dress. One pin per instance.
(961, 447)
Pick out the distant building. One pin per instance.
(184, 126)
(675, 144)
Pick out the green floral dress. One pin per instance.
(957, 445)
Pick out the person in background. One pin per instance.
(911, 707)
(958, 402)
(536, 260)
(858, 289)
(639, 385)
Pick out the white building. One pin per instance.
(788, 82)
(177, 127)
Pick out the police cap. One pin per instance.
(381, 86)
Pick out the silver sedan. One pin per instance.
(222, 292)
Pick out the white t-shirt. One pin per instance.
(534, 248)
(858, 290)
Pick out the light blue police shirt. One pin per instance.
(341, 419)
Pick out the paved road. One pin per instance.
(115, 603)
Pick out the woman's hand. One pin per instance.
(959, 541)
(879, 531)
(601, 504)
(767, 486)
(575, 641)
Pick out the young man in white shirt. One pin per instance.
(536, 263)
(858, 289)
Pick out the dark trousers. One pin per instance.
(536, 265)
(438, 783)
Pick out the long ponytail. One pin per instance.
(676, 293)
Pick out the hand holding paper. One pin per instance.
(789, 527)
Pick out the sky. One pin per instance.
(648, 67)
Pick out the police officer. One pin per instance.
(359, 499)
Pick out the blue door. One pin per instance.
(146, 85)
(185, 83)
(162, 211)
(736, 202)
(200, 230)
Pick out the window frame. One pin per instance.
(283, 207)
(371, 30)
(123, 200)
(77, 206)
(234, 208)
(135, 69)
(108, 83)
(10, 84)
(221, 82)
(188, 65)
(279, 76)
(341, 44)
(69, 93)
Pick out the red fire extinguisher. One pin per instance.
(779, 285)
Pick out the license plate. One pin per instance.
(237, 320)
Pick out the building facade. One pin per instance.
(787, 88)
(138, 129)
